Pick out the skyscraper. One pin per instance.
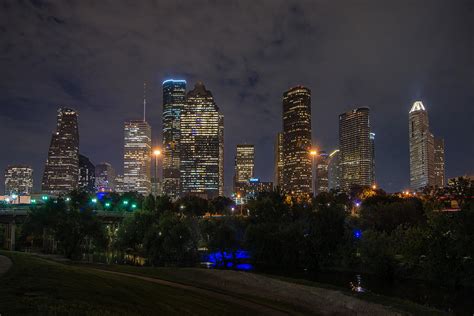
(18, 180)
(61, 172)
(200, 144)
(355, 147)
(421, 148)
(174, 100)
(244, 167)
(278, 172)
(334, 170)
(137, 156)
(105, 177)
(322, 176)
(221, 155)
(372, 155)
(297, 171)
(439, 174)
(86, 180)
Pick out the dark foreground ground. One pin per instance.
(35, 285)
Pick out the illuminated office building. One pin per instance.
(439, 173)
(174, 100)
(61, 172)
(105, 177)
(334, 170)
(200, 147)
(422, 150)
(278, 164)
(372, 155)
(297, 162)
(137, 157)
(244, 167)
(18, 180)
(322, 176)
(356, 147)
(221, 155)
(86, 180)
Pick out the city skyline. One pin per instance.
(247, 80)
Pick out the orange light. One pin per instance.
(313, 152)
(374, 187)
(157, 152)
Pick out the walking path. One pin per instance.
(258, 307)
(309, 299)
(5, 264)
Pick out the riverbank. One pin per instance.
(36, 285)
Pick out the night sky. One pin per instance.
(95, 55)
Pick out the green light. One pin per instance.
(134, 206)
(33, 201)
(68, 199)
(107, 204)
(44, 197)
(94, 200)
(125, 202)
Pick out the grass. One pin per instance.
(35, 286)
(192, 276)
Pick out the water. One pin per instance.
(459, 301)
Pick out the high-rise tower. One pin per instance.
(322, 176)
(278, 171)
(200, 144)
(297, 172)
(244, 167)
(356, 148)
(61, 172)
(221, 154)
(334, 170)
(421, 148)
(174, 100)
(439, 173)
(137, 156)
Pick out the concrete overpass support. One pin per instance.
(9, 240)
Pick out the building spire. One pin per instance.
(144, 101)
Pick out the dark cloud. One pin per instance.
(95, 56)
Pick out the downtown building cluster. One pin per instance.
(192, 153)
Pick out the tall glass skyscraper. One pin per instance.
(61, 173)
(200, 147)
(221, 154)
(356, 147)
(174, 100)
(334, 170)
(426, 151)
(105, 177)
(137, 156)
(297, 162)
(244, 167)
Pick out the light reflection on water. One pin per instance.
(357, 285)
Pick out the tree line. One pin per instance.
(367, 230)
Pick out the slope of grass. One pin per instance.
(37, 286)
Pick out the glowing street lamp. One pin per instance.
(125, 202)
(313, 153)
(94, 200)
(157, 154)
(107, 204)
(134, 206)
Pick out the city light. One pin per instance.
(68, 199)
(134, 205)
(44, 197)
(313, 152)
(107, 204)
(33, 201)
(125, 202)
(157, 152)
(94, 200)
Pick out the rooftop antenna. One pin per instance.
(144, 101)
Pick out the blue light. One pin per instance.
(357, 233)
(254, 180)
(241, 256)
(174, 80)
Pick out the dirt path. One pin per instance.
(5, 264)
(258, 307)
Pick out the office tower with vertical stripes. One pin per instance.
(61, 173)
(244, 167)
(137, 156)
(356, 148)
(174, 100)
(278, 163)
(297, 163)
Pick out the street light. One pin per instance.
(156, 153)
(94, 200)
(313, 153)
